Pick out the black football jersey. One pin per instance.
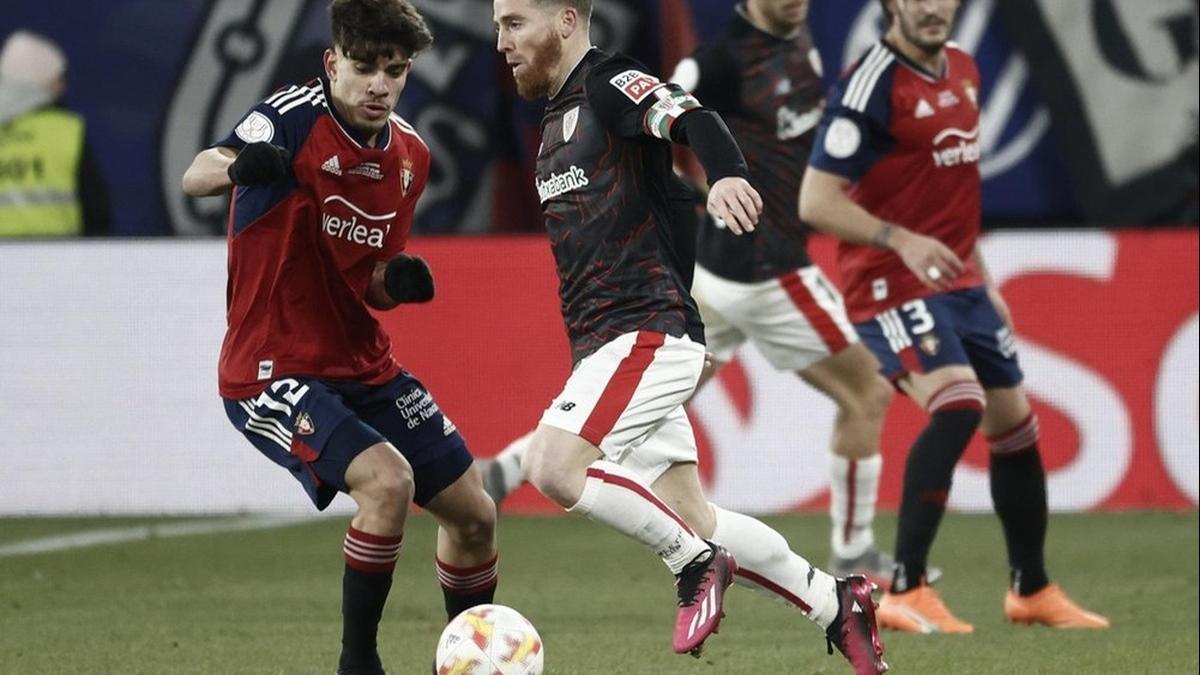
(769, 91)
(618, 217)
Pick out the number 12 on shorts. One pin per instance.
(290, 390)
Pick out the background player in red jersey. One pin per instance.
(764, 76)
(894, 174)
(325, 179)
(616, 445)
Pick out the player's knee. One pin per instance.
(476, 530)
(867, 402)
(547, 473)
(549, 478)
(876, 398)
(390, 492)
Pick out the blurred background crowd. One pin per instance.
(1089, 106)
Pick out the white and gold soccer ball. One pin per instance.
(490, 640)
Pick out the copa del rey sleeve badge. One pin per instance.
(406, 176)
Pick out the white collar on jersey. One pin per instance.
(921, 71)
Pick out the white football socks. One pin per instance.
(767, 565)
(615, 497)
(854, 489)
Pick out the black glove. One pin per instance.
(259, 164)
(407, 279)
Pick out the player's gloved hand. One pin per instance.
(407, 279)
(259, 164)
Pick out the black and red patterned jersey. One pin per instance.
(614, 209)
(769, 91)
(302, 249)
(908, 140)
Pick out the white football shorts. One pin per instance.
(795, 320)
(631, 389)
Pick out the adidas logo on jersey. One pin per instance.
(923, 109)
(332, 166)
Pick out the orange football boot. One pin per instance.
(1052, 607)
(919, 610)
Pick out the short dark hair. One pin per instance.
(367, 29)
(887, 13)
(584, 7)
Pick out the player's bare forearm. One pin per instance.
(209, 173)
(825, 206)
(377, 295)
(983, 269)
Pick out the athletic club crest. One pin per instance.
(569, 122)
(406, 177)
(304, 425)
(929, 344)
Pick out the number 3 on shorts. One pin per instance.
(899, 338)
(919, 318)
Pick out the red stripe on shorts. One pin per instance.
(820, 319)
(621, 386)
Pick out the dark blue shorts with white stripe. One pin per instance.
(955, 328)
(314, 428)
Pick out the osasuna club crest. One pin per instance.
(569, 121)
(304, 424)
(406, 176)
(929, 344)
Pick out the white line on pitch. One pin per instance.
(117, 535)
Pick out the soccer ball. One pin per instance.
(490, 640)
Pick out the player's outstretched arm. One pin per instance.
(208, 174)
(731, 198)
(403, 279)
(215, 170)
(825, 206)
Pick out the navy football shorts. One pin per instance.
(315, 428)
(948, 329)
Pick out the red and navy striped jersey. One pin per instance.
(302, 250)
(769, 91)
(909, 141)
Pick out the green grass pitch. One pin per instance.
(267, 602)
